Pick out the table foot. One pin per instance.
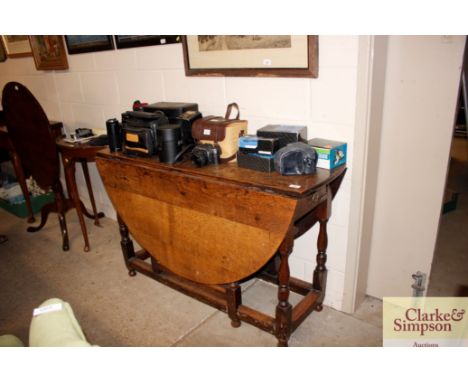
(235, 323)
(90, 215)
(282, 343)
(86, 248)
(132, 273)
(318, 308)
(31, 219)
(45, 211)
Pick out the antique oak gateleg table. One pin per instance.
(204, 230)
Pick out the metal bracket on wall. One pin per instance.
(419, 285)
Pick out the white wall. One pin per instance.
(102, 85)
(416, 124)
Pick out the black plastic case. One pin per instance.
(171, 109)
(263, 163)
(285, 133)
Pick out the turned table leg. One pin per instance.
(126, 243)
(320, 273)
(234, 299)
(284, 308)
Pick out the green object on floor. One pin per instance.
(20, 210)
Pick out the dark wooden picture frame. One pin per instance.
(88, 43)
(49, 52)
(311, 71)
(133, 41)
(16, 46)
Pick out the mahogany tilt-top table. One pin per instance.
(71, 154)
(5, 143)
(205, 230)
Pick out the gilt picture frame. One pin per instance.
(49, 52)
(251, 55)
(16, 45)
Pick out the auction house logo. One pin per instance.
(425, 321)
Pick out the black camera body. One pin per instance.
(83, 133)
(182, 113)
(205, 154)
(139, 132)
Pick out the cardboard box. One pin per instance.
(331, 154)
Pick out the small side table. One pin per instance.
(82, 153)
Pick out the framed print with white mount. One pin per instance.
(251, 55)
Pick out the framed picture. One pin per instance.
(16, 45)
(132, 41)
(3, 55)
(85, 44)
(48, 52)
(251, 55)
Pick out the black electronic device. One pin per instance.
(183, 113)
(205, 154)
(296, 159)
(171, 109)
(83, 133)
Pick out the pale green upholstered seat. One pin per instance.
(56, 325)
(9, 340)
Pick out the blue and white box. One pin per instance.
(331, 154)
